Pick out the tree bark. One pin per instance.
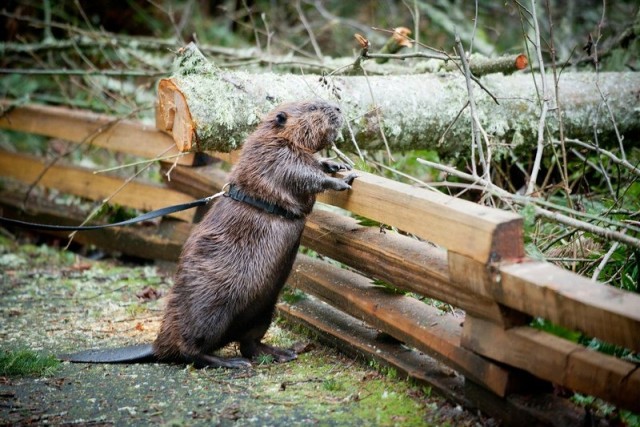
(206, 108)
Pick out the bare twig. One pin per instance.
(525, 200)
(605, 261)
(441, 52)
(141, 162)
(556, 79)
(413, 179)
(353, 140)
(622, 162)
(453, 122)
(312, 37)
(269, 37)
(253, 25)
(378, 116)
(342, 156)
(403, 56)
(545, 105)
(476, 141)
(598, 168)
(115, 193)
(475, 28)
(94, 72)
(319, 5)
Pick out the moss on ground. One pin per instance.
(53, 302)
(26, 362)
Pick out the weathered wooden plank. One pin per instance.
(100, 130)
(353, 338)
(82, 182)
(557, 360)
(476, 231)
(160, 242)
(407, 319)
(573, 301)
(404, 262)
(543, 290)
(401, 261)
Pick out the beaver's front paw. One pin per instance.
(329, 166)
(349, 178)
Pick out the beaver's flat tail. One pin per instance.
(141, 353)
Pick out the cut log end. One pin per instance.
(173, 115)
(521, 62)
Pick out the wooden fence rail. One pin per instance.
(478, 266)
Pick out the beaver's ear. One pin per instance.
(281, 118)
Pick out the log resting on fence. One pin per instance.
(209, 109)
(480, 279)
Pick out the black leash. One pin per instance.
(234, 192)
(144, 217)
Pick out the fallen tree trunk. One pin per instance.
(208, 109)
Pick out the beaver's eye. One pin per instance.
(313, 108)
(281, 119)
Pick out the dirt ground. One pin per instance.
(54, 301)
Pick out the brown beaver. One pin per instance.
(237, 259)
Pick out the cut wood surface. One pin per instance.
(413, 110)
(407, 319)
(84, 183)
(557, 360)
(543, 290)
(85, 127)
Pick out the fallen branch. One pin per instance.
(215, 110)
(615, 159)
(523, 200)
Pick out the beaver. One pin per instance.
(237, 259)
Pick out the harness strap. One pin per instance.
(236, 194)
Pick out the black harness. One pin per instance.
(236, 194)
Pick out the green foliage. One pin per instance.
(579, 338)
(610, 349)
(387, 287)
(136, 309)
(24, 142)
(556, 330)
(366, 222)
(528, 213)
(408, 163)
(26, 362)
(293, 295)
(363, 166)
(331, 384)
(264, 359)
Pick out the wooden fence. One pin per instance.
(470, 257)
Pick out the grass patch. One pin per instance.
(26, 362)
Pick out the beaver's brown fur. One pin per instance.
(237, 259)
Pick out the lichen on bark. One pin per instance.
(413, 111)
